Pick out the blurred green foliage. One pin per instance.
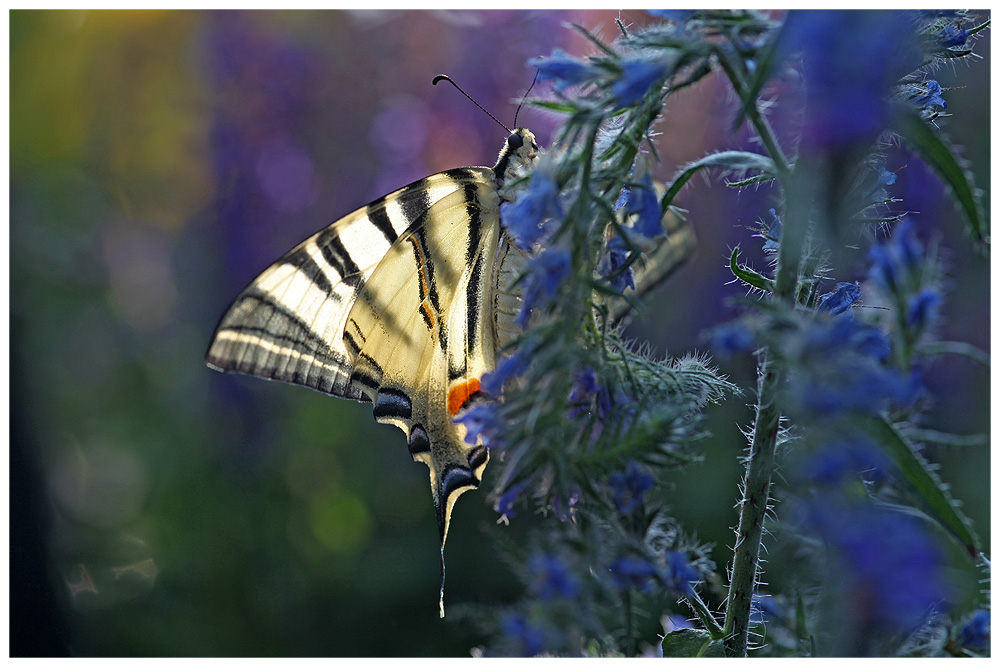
(161, 159)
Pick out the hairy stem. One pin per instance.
(757, 482)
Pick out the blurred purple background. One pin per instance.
(159, 161)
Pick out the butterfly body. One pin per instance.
(402, 303)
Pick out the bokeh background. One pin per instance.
(159, 161)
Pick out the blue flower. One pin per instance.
(772, 235)
(564, 69)
(507, 368)
(840, 300)
(642, 199)
(546, 273)
(529, 640)
(976, 633)
(633, 572)
(850, 61)
(894, 261)
(733, 338)
(551, 579)
(525, 218)
(587, 391)
(923, 307)
(615, 255)
(638, 75)
(874, 190)
(505, 503)
(826, 339)
(566, 509)
(763, 608)
(628, 487)
(834, 463)
(927, 95)
(678, 574)
(950, 36)
(894, 571)
(482, 421)
(852, 386)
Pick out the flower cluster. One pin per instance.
(589, 429)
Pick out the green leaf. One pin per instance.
(731, 160)
(916, 471)
(979, 27)
(753, 180)
(691, 643)
(937, 152)
(554, 106)
(751, 278)
(761, 75)
(955, 347)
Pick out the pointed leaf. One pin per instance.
(730, 160)
(937, 152)
(751, 278)
(916, 471)
(691, 643)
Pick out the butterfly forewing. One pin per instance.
(288, 324)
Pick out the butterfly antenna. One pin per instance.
(525, 97)
(445, 77)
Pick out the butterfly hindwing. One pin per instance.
(420, 339)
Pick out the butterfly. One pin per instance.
(403, 303)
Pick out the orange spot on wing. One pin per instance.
(460, 393)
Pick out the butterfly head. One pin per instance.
(517, 157)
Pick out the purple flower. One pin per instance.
(566, 509)
(875, 192)
(895, 260)
(528, 639)
(772, 235)
(564, 69)
(546, 273)
(764, 608)
(893, 572)
(551, 579)
(632, 572)
(976, 633)
(637, 77)
(615, 256)
(525, 218)
(678, 574)
(482, 421)
(840, 300)
(505, 503)
(837, 462)
(855, 387)
(850, 61)
(927, 95)
(628, 487)
(642, 199)
(508, 367)
(923, 307)
(842, 336)
(950, 36)
(733, 338)
(586, 391)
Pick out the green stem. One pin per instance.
(631, 649)
(759, 122)
(753, 508)
(760, 468)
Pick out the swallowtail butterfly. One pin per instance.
(403, 303)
